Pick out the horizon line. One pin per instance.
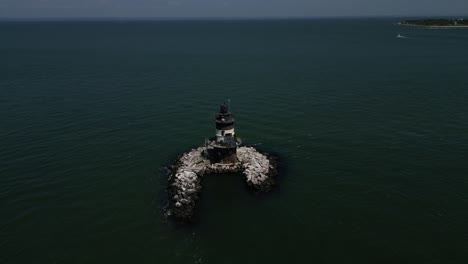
(104, 18)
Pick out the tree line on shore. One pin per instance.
(437, 22)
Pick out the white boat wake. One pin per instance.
(400, 36)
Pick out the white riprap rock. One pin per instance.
(257, 168)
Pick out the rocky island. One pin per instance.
(222, 154)
(436, 23)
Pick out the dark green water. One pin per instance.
(373, 131)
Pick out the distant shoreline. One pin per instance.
(425, 26)
(436, 23)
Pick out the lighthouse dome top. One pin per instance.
(224, 108)
(224, 119)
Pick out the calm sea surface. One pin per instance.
(372, 131)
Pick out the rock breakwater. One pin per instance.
(259, 170)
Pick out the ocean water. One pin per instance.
(372, 131)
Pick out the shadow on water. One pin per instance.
(282, 167)
(157, 183)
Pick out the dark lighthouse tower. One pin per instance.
(225, 143)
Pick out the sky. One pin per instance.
(227, 8)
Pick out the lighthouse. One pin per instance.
(225, 143)
(222, 154)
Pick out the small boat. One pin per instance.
(400, 36)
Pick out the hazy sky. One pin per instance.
(227, 8)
